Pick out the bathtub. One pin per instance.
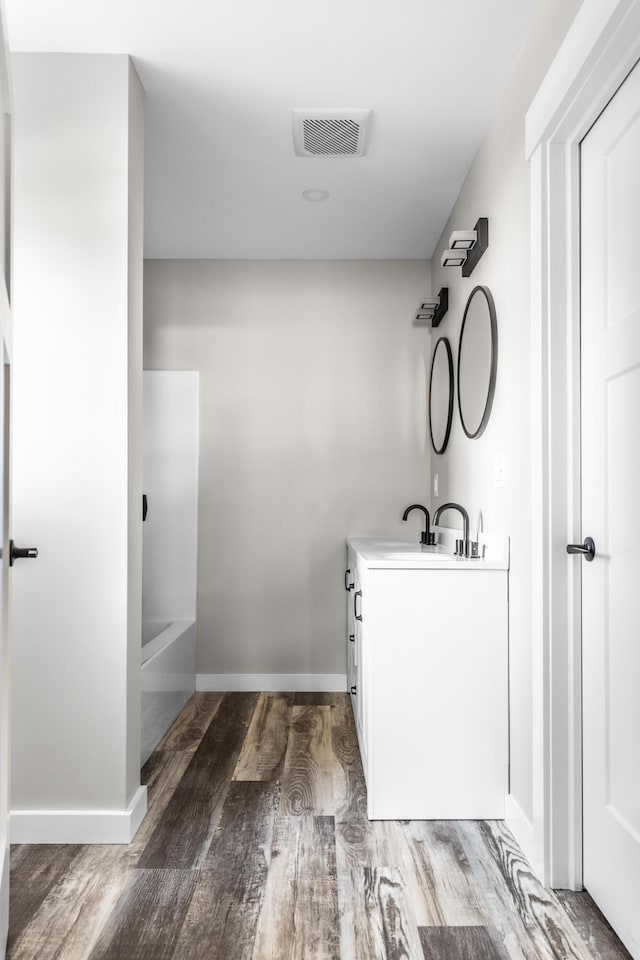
(168, 677)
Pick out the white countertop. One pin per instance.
(410, 554)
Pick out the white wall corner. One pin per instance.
(272, 682)
(79, 826)
(72, 112)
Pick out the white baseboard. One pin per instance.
(524, 833)
(79, 826)
(284, 682)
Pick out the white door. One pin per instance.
(610, 308)
(5, 392)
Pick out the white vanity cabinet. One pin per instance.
(430, 695)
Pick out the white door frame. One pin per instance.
(600, 49)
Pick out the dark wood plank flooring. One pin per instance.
(256, 846)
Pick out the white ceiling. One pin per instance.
(221, 78)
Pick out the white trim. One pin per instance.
(79, 826)
(520, 825)
(599, 51)
(285, 682)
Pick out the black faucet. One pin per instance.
(426, 536)
(465, 523)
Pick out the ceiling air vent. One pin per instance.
(330, 133)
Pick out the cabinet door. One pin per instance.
(436, 676)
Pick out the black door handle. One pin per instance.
(145, 507)
(586, 549)
(21, 553)
(358, 616)
(348, 586)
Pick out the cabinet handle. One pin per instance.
(348, 586)
(357, 615)
(353, 690)
(352, 637)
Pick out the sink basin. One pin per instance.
(398, 554)
(393, 550)
(426, 554)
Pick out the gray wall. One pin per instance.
(312, 427)
(497, 186)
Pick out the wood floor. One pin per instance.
(257, 846)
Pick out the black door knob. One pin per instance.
(21, 553)
(586, 549)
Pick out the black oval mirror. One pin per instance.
(441, 395)
(477, 362)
